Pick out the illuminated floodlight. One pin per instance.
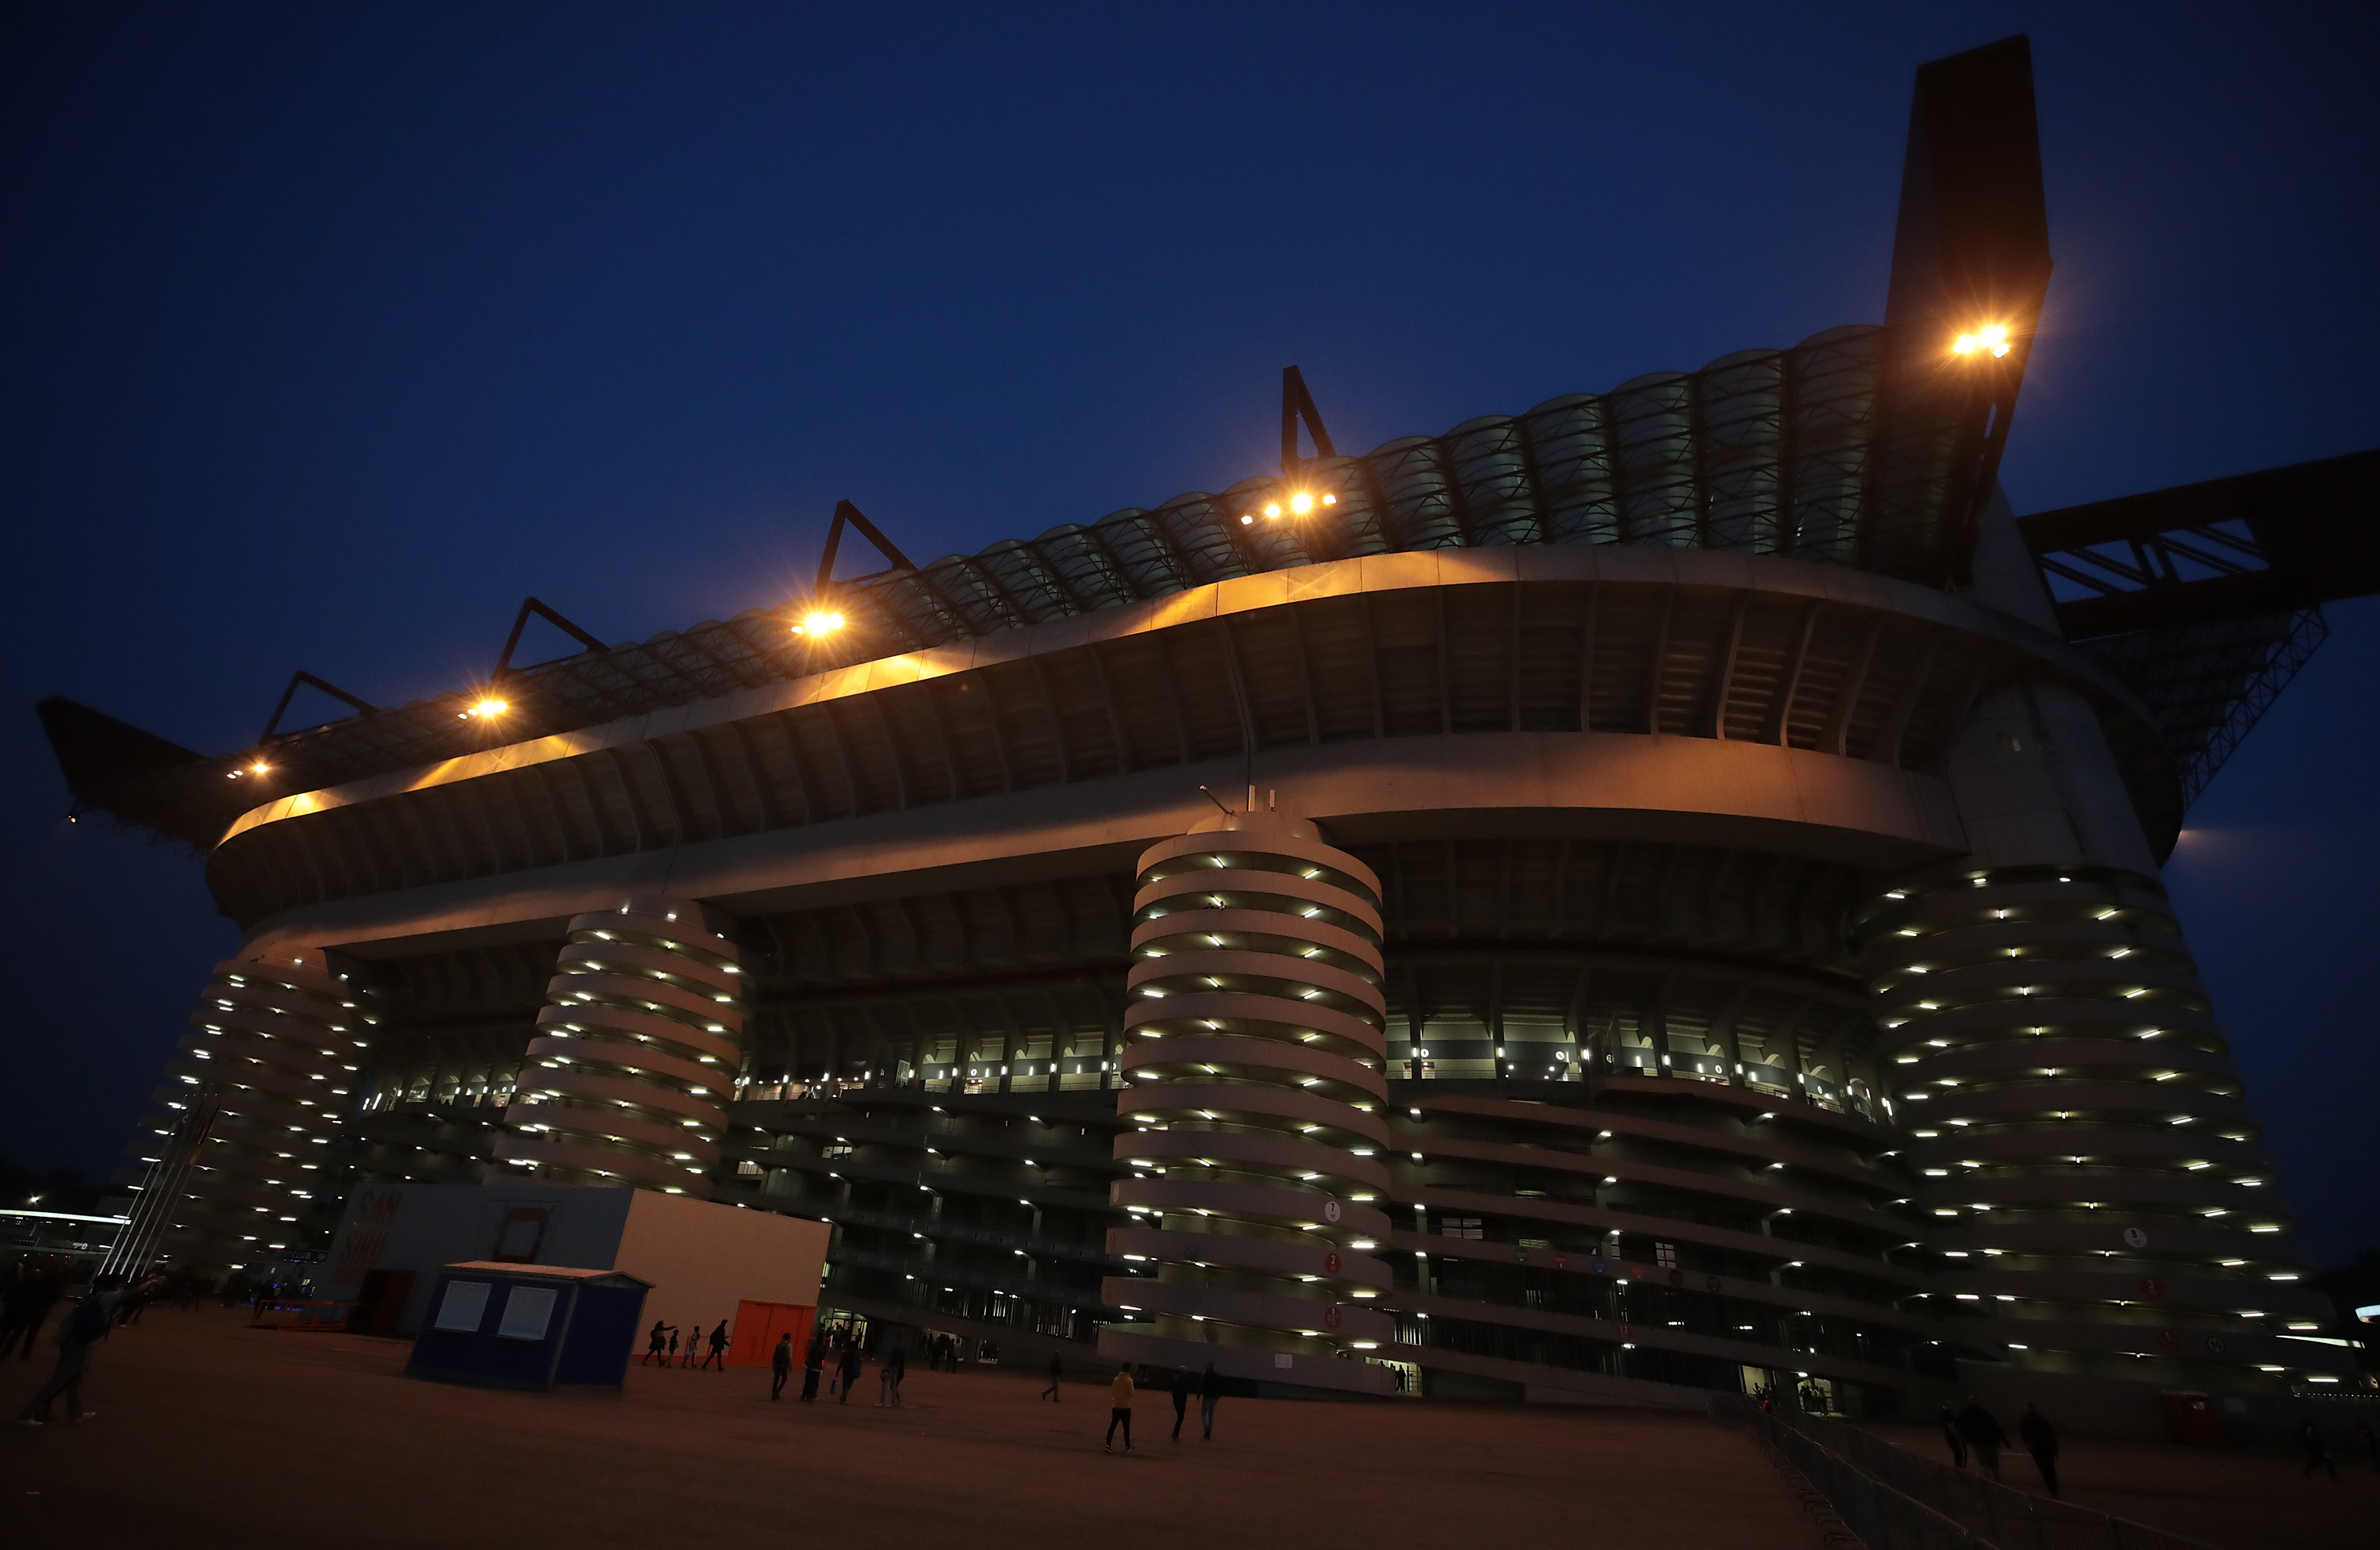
(1301, 502)
(819, 621)
(485, 710)
(1992, 339)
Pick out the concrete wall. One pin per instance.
(702, 1259)
(434, 1225)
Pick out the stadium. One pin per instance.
(1653, 894)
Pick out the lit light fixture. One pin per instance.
(1301, 503)
(1992, 339)
(819, 621)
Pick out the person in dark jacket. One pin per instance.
(780, 1366)
(850, 1372)
(656, 1345)
(718, 1347)
(1210, 1389)
(2041, 1441)
(2317, 1451)
(84, 1328)
(1183, 1387)
(1950, 1435)
(896, 1367)
(1982, 1430)
(813, 1364)
(25, 1309)
(1057, 1370)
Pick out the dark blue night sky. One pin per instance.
(332, 331)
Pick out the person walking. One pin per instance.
(671, 1359)
(1210, 1389)
(1982, 1430)
(1950, 1435)
(1119, 1410)
(655, 1345)
(896, 1367)
(2371, 1441)
(813, 1364)
(1057, 1366)
(1183, 1387)
(849, 1376)
(83, 1328)
(33, 1296)
(718, 1347)
(2317, 1451)
(2040, 1440)
(780, 1365)
(22, 1308)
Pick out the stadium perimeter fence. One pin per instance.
(1894, 1500)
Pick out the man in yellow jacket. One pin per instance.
(1120, 1414)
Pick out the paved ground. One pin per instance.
(2235, 1499)
(211, 1433)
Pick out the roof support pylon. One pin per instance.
(846, 512)
(273, 725)
(1297, 404)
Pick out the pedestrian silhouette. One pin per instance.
(2041, 1441)
(1982, 1430)
(2317, 1452)
(1119, 1411)
(718, 1352)
(813, 1364)
(1183, 1387)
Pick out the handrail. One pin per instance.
(1895, 1500)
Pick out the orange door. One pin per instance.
(758, 1326)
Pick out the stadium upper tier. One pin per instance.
(1770, 451)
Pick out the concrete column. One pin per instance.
(2085, 1149)
(1255, 1066)
(628, 1079)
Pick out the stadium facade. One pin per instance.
(1654, 893)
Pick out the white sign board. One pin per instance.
(464, 1304)
(528, 1312)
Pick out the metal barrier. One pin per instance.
(1894, 1500)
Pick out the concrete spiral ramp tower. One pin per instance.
(1254, 1081)
(252, 1102)
(2088, 1164)
(628, 1078)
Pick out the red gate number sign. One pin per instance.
(1331, 1316)
(1331, 1263)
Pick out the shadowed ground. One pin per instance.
(2234, 1498)
(212, 1434)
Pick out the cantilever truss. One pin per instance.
(2207, 598)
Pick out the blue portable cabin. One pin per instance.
(505, 1325)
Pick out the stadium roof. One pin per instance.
(1864, 446)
